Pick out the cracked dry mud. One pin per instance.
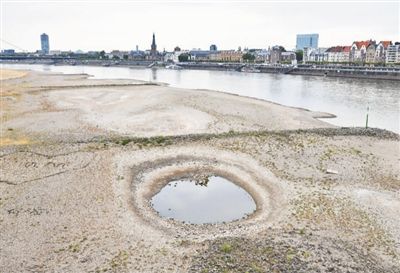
(80, 160)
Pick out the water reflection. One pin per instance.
(154, 74)
(214, 200)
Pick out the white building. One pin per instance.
(174, 56)
(393, 54)
(380, 51)
(262, 56)
(55, 52)
(338, 54)
(315, 55)
(358, 51)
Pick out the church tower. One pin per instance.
(153, 50)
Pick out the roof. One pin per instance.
(200, 53)
(360, 44)
(337, 49)
(346, 48)
(385, 43)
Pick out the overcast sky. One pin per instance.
(100, 25)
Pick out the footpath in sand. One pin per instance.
(80, 159)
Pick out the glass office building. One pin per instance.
(306, 40)
(44, 40)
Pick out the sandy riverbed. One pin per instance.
(80, 159)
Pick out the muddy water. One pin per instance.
(218, 201)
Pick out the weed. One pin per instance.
(74, 247)
(125, 141)
(120, 260)
(226, 248)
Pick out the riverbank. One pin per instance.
(391, 73)
(75, 193)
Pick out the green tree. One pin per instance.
(102, 54)
(184, 57)
(299, 55)
(248, 57)
(282, 49)
(126, 57)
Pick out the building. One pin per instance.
(174, 56)
(55, 52)
(288, 56)
(199, 55)
(226, 56)
(317, 55)
(380, 52)
(213, 48)
(262, 56)
(358, 52)
(393, 54)
(306, 40)
(338, 54)
(8, 52)
(370, 53)
(314, 54)
(118, 55)
(153, 54)
(44, 41)
(275, 54)
(137, 55)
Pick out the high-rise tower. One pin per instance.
(44, 40)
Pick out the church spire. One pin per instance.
(153, 44)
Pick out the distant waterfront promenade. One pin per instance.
(326, 70)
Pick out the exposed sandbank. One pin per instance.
(75, 194)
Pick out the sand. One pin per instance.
(80, 159)
(6, 74)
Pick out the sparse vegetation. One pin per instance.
(226, 248)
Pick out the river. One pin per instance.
(346, 98)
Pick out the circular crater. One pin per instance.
(148, 174)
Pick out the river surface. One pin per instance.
(346, 98)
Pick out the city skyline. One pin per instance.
(196, 25)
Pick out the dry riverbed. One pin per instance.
(81, 158)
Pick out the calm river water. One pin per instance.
(347, 98)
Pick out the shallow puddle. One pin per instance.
(214, 201)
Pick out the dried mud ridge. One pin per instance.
(287, 252)
(169, 140)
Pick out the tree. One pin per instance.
(102, 54)
(299, 55)
(126, 57)
(282, 49)
(248, 57)
(184, 57)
